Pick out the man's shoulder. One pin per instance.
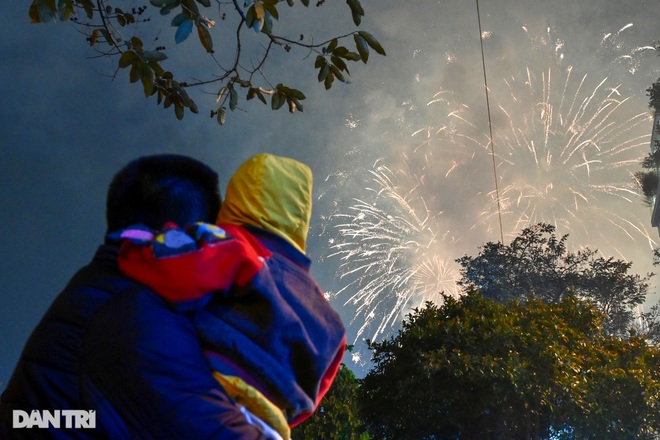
(138, 316)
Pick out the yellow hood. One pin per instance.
(273, 193)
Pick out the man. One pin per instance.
(271, 335)
(113, 349)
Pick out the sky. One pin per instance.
(400, 155)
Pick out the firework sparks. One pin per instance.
(389, 252)
(566, 145)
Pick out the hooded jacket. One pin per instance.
(269, 331)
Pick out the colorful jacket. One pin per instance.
(111, 345)
(268, 329)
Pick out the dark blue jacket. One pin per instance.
(112, 345)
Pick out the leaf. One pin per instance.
(258, 10)
(178, 111)
(221, 94)
(319, 62)
(287, 91)
(277, 101)
(42, 11)
(178, 19)
(158, 70)
(205, 3)
(134, 76)
(362, 47)
(268, 24)
(65, 9)
(221, 116)
(127, 58)
(298, 104)
(333, 45)
(136, 43)
(340, 51)
(355, 6)
(356, 11)
(148, 77)
(272, 10)
(250, 17)
(154, 55)
(290, 2)
(189, 102)
(205, 37)
(261, 97)
(258, 25)
(337, 73)
(94, 37)
(329, 80)
(324, 72)
(341, 65)
(183, 31)
(305, 2)
(373, 43)
(233, 98)
(357, 18)
(191, 7)
(352, 56)
(88, 6)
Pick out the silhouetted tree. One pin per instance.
(538, 263)
(475, 368)
(337, 417)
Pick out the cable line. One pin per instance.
(490, 125)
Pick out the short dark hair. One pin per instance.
(154, 190)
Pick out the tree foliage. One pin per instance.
(653, 93)
(648, 180)
(538, 263)
(337, 417)
(118, 29)
(475, 368)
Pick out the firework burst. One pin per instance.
(389, 253)
(566, 144)
(566, 147)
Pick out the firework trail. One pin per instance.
(566, 146)
(616, 51)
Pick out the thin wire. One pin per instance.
(490, 125)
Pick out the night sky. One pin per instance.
(67, 127)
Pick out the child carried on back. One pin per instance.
(271, 338)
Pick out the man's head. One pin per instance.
(154, 190)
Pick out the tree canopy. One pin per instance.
(131, 34)
(653, 93)
(337, 416)
(538, 263)
(475, 368)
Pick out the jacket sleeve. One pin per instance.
(144, 370)
(181, 268)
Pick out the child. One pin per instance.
(272, 339)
